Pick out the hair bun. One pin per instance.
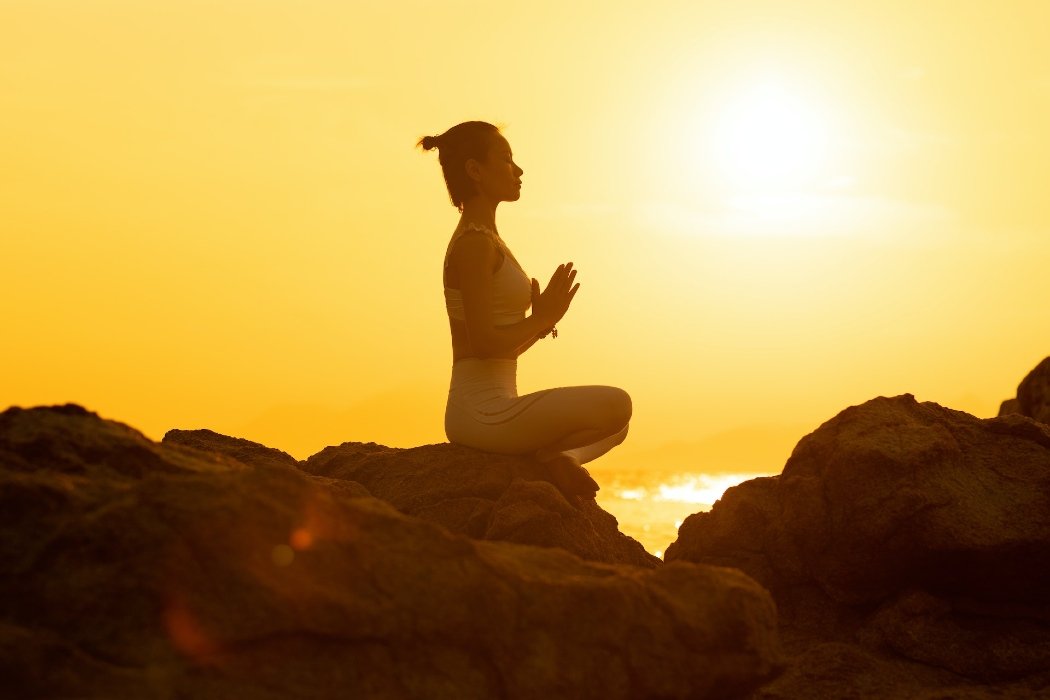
(429, 143)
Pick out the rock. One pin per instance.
(890, 495)
(837, 671)
(1033, 393)
(208, 442)
(246, 451)
(919, 532)
(485, 496)
(935, 632)
(735, 533)
(1010, 407)
(482, 495)
(155, 570)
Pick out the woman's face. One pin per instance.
(499, 177)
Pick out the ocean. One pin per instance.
(651, 507)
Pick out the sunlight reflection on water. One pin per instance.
(651, 508)
(696, 488)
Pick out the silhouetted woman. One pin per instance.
(486, 295)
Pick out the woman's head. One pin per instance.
(476, 159)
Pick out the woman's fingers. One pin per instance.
(564, 272)
(555, 277)
(570, 278)
(560, 286)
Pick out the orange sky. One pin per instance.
(213, 214)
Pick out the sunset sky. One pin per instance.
(213, 214)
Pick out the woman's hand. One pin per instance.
(553, 302)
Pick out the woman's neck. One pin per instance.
(479, 211)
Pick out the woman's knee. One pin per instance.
(619, 407)
(628, 406)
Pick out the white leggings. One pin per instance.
(485, 412)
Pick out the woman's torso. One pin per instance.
(511, 291)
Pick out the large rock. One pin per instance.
(906, 527)
(138, 569)
(485, 496)
(890, 495)
(478, 494)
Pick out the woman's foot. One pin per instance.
(568, 476)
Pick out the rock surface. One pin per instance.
(485, 496)
(481, 495)
(1010, 406)
(1033, 395)
(158, 570)
(909, 532)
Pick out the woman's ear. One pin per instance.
(473, 168)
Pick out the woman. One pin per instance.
(486, 295)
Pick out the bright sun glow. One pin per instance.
(767, 155)
(770, 137)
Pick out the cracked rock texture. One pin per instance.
(909, 542)
(210, 567)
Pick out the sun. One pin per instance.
(753, 153)
(770, 137)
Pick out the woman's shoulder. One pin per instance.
(472, 241)
(475, 235)
(478, 235)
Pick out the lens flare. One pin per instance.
(187, 634)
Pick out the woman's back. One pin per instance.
(511, 288)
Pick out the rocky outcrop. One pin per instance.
(481, 495)
(246, 451)
(1010, 406)
(1033, 395)
(485, 496)
(915, 532)
(154, 570)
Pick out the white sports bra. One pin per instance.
(511, 287)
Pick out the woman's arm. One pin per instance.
(521, 349)
(474, 256)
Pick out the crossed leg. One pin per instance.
(565, 419)
(563, 428)
(591, 421)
